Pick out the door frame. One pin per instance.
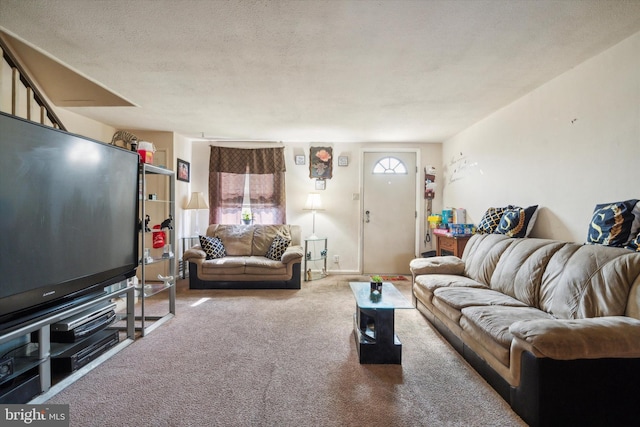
(418, 195)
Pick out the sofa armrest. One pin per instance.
(292, 253)
(569, 339)
(437, 265)
(194, 253)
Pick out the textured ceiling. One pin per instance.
(322, 71)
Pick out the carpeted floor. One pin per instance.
(281, 358)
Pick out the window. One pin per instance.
(389, 165)
(247, 181)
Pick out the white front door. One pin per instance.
(389, 212)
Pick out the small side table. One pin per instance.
(450, 245)
(315, 249)
(188, 240)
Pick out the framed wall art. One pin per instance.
(300, 160)
(184, 171)
(321, 162)
(343, 161)
(320, 184)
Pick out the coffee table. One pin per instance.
(373, 323)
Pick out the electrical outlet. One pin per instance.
(336, 259)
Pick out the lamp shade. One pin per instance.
(197, 201)
(314, 202)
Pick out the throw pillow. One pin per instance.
(517, 221)
(634, 244)
(490, 220)
(213, 247)
(612, 223)
(277, 248)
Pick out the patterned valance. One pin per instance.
(237, 160)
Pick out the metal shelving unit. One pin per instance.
(149, 286)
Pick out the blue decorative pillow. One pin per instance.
(517, 221)
(490, 220)
(634, 244)
(213, 247)
(612, 224)
(277, 248)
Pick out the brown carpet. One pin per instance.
(281, 358)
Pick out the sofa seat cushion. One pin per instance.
(466, 297)
(431, 282)
(450, 301)
(489, 325)
(226, 265)
(263, 265)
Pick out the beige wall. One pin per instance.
(567, 146)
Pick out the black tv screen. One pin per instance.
(68, 217)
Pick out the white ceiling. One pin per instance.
(320, 71)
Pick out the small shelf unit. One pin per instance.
(315, 255)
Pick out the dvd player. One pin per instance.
(84, 330)
(84, 317)
(80, 354)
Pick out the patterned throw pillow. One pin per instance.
(517, 221)
(490, 220)
(612, 223)
(213, 247)
(277, 248)
(634, 244)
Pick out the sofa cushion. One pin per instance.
(278, 248)
(431, 282)
(489, 325)
(263, 236)
(519, 270)
(481, 254)
(593, 281)
(460, 298)
(265, 266)
(212, 246)
(450, 301)
(490, 220)
(612, 223)
(237, 239)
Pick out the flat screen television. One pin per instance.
(68, 218)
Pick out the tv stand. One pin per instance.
(31, 361)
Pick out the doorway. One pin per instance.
(389, 212)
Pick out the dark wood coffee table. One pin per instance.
(374, 323)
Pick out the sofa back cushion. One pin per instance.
(481, 255)
(264, 234)
(521, 266)
(237, 239)
(583, 281)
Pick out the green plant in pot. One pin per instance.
(246, 217)
(376, 283)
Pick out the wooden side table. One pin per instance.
(449, 245)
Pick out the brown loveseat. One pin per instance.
(245, 263)
(552, 326)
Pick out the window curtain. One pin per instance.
(228, 169)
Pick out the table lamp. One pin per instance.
(197, 203)
(313, 204)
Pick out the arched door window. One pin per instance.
(389, 165)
